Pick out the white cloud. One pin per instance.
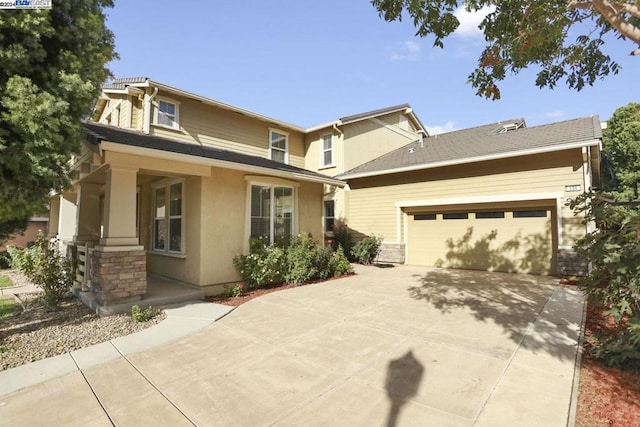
(556, 114)
(447, 127)
(407, 51)
(469, 21)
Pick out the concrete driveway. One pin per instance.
(402, 346)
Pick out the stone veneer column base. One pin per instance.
(118, 274)
(570, 263)
(391, 252)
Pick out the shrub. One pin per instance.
(145, 315)
(5, 260)
(342, 238)
(46, 267)
(614, 279)
(339, 264)
(234, 292)
(301, 260)
(263, 265)
(367, 249)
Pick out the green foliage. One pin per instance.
(263, 265)
(53, 64)
(7, 308)
(621, 147)
(5, 260)
(145, 315)
(614, 280)
(5, 281)
(46, 267)
(234, 292)
(342, 238)
(302, 261)
(520, 34)
(367, 249)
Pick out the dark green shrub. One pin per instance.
(367, 249)
(614, 280)
(5, 260)
(302, 260)
(46, 267)
(263, 265)
(342, 238)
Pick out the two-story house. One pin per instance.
(173, 184)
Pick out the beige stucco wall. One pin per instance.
(215, 127)
(372, 200)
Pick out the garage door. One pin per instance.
(509, 240)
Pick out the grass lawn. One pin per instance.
(5, 281)
(7, 307)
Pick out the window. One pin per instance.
(425, 217)
(167, 220)
(327, 150)
(278, 146)
(455, 215)
(489, 215)
(271, 213)
(329, 215)
(530, 214)
(167, 114)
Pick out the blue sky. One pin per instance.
(311, 62)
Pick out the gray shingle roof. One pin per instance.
(478, 143)
(124, 82)
(98, 132)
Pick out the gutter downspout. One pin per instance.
(146, 125)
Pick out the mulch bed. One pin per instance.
(607, 396)
(247, 296)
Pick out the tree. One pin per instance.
(622, 153)
(563, 37)
(53, 64)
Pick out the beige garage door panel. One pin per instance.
(507, 244)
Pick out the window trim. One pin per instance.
(325, 217)
(286, 144)
(324, 150)
(166, 184)
(156, 111)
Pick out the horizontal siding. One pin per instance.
(215, 127)
(372, 200)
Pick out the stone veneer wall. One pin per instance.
(391, 252)
(118, 275)
(570, 263)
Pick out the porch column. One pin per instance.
(88, 213)
(54, 216)
(120, 208)
(67, 217)
(118, 263)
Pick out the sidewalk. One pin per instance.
(181, 320)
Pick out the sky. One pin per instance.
(312, 62)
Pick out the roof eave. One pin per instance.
(169, 155)
(472, 159)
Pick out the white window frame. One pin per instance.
(323, 150)
(286, 145)
(270, 182)
(176, 119)
(326, 217)
(166, 184)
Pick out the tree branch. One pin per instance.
(613, 12)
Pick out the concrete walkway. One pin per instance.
(399, 346)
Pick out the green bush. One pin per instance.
(342, 238)
(5, 260)
(263, 265)
(303, 260)
(614, 280)
(46, 267)
(367, 249)
(145, 315)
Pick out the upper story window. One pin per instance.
(327, 150)
(278, 146)
(167, 114)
